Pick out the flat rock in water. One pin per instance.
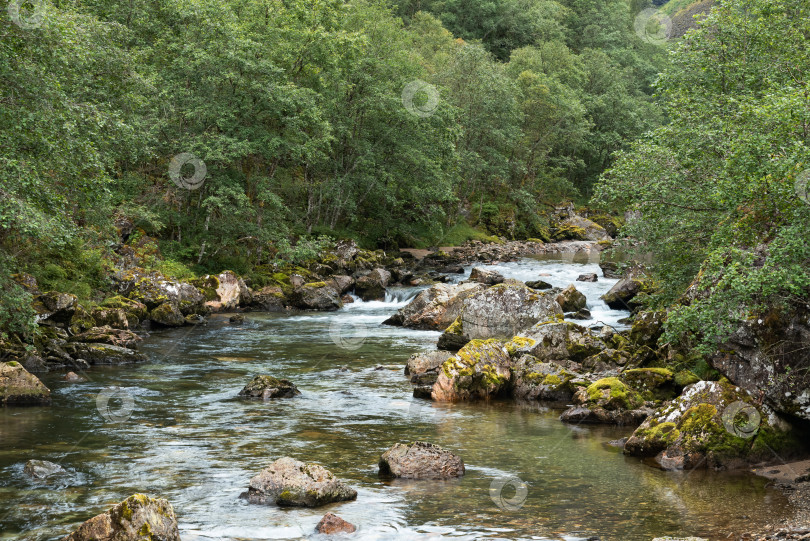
(40, 469)
(332, 524)
(589, 277)
(129, 520)
(420, 460)
(267, 387)
(288, 482)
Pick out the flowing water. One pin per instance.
(175, 429)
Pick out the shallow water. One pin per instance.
(174, 429)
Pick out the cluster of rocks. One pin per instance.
(511, 341)
(286, 482)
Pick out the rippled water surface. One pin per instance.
(189, 440)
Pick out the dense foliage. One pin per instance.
(720, 193)
(311, 117)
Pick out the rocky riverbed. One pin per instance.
(176, 428)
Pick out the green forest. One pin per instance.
(561, 213)
(300, 113)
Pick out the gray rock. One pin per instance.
(480, 370)
(589, 277)
(288, 482)
(504, 310)
(128, 520)
(420, 460)
(539, 284)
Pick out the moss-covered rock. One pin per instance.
(481, 369)
(537, 380)
(135, 311)
(647, 328)
(316, 296)
(621, 296)
(571, 300)
(713, 424)
(167, 315)
(607, 401)
(652, 383)
(138, 518)
(18, 387)
(54, 308)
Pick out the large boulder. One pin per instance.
(486, 276)
(621, 295)
(288, 482)
(571, 300)
(481, 369)
(316, 296)
(138, 518)
(267, 387)
(504, 310)
(423, 368)
(18, 387)
(341, 283)
(54, 308)
(420, 460)
(436, 307)
(768, 356)
(713, 424)
(371, 287)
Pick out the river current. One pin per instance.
(172, 428)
